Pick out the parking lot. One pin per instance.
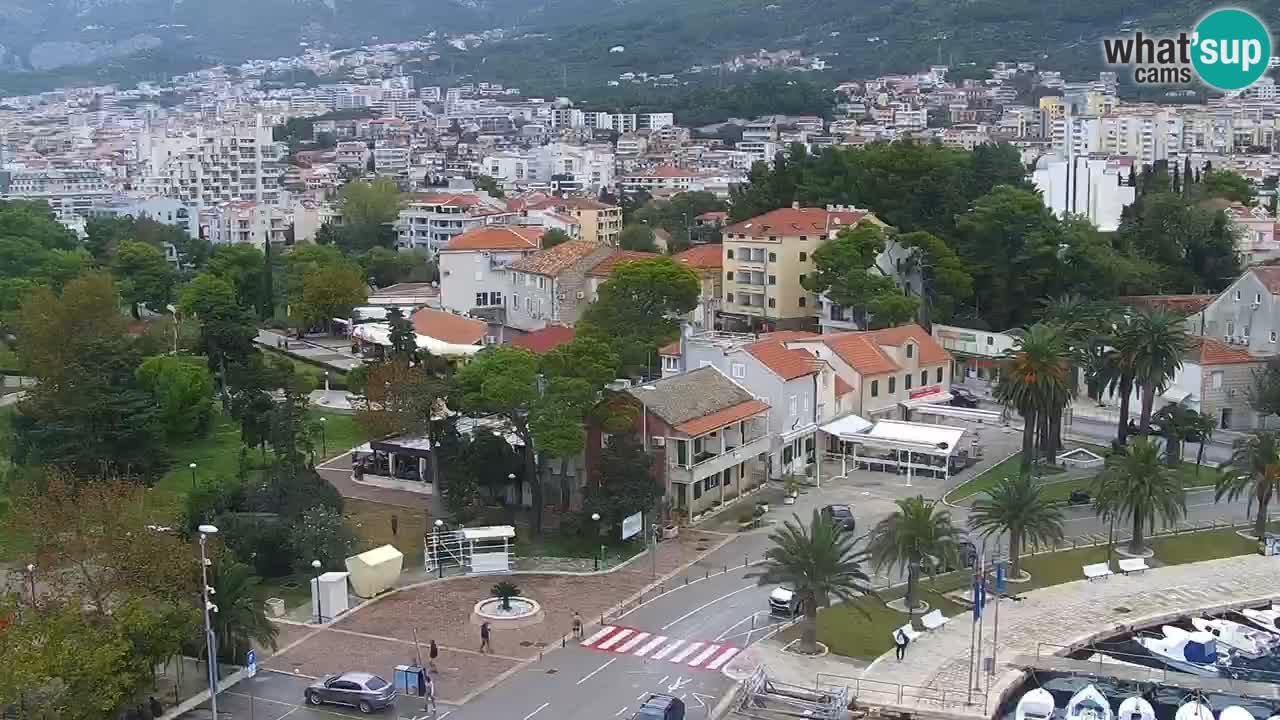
(274, 695)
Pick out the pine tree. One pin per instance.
(266, 307)
(1176, 181)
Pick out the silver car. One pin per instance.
(364, 691)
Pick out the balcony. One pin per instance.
(712, 461)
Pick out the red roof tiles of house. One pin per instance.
(786, 363)
(701, 257)
(497, 237)
(713, 216)
(1216, 352)
(1269, 276)
(1182, 304)
(671, 348)
(555, 260)
(605, 267)
(930, 351)
(449, 327)
(863, 350)
(797, 221)
(668, 171)
(720, 418)
(545, 340)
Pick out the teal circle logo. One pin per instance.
(1230, 49)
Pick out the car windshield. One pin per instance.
(840, 510)
(376, 683)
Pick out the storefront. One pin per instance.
(902, 448)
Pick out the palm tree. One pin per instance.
(1177, 423)
(1016, 506)
(1157, 340)
(816, 563)
(1202, 427)
(1136, 485)
(1116, 373)
(917, 535)
(242, 609)
(1254, 471)
(1034, 383)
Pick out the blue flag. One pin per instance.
(1000, 577)
(979, 598)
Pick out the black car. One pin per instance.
(966, 554)
(963, 398)
(841, 516)
(365, 692)
(660, 707)
(1078, 497)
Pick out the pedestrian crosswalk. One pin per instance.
(689, 653)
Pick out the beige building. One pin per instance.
(601, 223)
(766, 259)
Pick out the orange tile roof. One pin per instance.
(497, 237)
(1269, 276)
(605, 267)
(671, 348)
(1184, 304)
(545, 340)
(930, 351)
(1216, 352)
(557, 259)
(797, 221)
(449, 327)
(668, 171)
(718, 215)
(720, 418)
(861, 353)
(842, 388)
(786, 363)
(701, 257)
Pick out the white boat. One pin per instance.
(1235, 712)
(1135, 708)
(1267, 618)
(1037, 704)
(1088, 704)
(1247, 641)
(1193, 710)
(1193, 652)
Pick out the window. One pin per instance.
(911, 349)
(738, 370)
(773, 257)
(728, 297)
(1257, 298)
(803, 301)
(710, 482)
(773, 303)
(1237, 295)
(875, 388)
(697, 490)
(773, 238)
(1216, 379)
(728, 275)
(991, 340)
(542, 283)
(804, 256)
(906, 381)
(1273, 336)
(924, 378)
(1231, 328)
(670, 363)
(939, 375)
(793, 405)
(482, 299)
(773, 279)
(804, 238)
(802, 279)
(892, 381)
(515, 301)
(728, 254)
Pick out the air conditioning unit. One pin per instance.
(658, 441)
(1231, 392)
(581, 294)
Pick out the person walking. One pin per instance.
(434, 653)
(577, 625)
(429, 695)
(900, 642)
(156, 708)
(484, 638)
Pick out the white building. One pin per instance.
(473, 265)
(1094, 188)
(391, 160)
(245, 223)
(154, 207)
(207, 166)
(430, 221)
(71, 194)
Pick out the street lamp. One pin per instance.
(595, 518)
(439, 567)
(319, 595)
(324, 444)
(193, 477)
(205, 592)
(31, 579)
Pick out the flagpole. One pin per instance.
(995, 633)
(982, 587)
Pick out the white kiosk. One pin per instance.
(329, 595)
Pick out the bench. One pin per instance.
(1097, 570)
(1133, 565)
(934, 620)
(910, 632)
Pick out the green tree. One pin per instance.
(626, 483)
(1034, 383)
(847, 274)
(947, 283)
(242, 609)
(385, 266)
(321, 533)
(1157, 340)
(241, 265)
(145, 275)
(1138, 487)
(554, 237)
(227, 329)
(1176, 423)
(1226, 184)
(51, 326)
(373, 203)
(489, 185)
(916, 536)
(182, 389)
(638, 238)
(1017, 507)
(328, 293)
(403, 338)
(1254, 472)
(636, 307)
(816, 562)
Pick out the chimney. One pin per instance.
(795, 204)
(831, 208)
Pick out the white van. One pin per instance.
(785, 603)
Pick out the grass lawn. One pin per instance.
(575, 546)
(371, 523)
(1009, 467)
(312, 371)
(864, 628)
(1186, 472)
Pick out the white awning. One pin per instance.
(380, 334)
(920, 437)
(802, 431)
(934, 399)
(491, 532)
(845, 426)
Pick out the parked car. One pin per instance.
(966, 554)
(365, 692)
(841, 516)
(660, 707)
(963, 398)
(785, 603)
(1078, 497)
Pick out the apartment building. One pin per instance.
(766, 260)
(1094, 187)
(707, 262)
(570, 167)
(71, 194)
(666, 178)
(430, 221)
(552, 286)
(600, 223)
(154, 207)
(204, 167)
(391, 160)
(245, 223)
(474, 265)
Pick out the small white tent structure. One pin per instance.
(375, 571)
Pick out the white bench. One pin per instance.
(1133, 565)
(1097, 570)
(934, 620)
(910, 632)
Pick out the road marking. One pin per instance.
(619, 713)
(294, 710)
(649, 646)
(664, 679)
(679, 683)
(446, 714)
(615, 638)
(599, 635)
(704, 656)
(702, 699)
(748, 618)
(643, 695)
(541, 707)
(688, 650)
(667, 650)
(634, 641)
(592, 674)
(722, 659)
(704, 606)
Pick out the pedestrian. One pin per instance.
(900, 642)
(156, 708)
(429, 696)
(484, 638)
(434, 652)
(577, 625)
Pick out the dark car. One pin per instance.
(963, 398)
(841, 516)
(1078, 497)
(363, 691)
(966, 554)
(660, 707)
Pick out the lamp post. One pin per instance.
(31, 580)
(324, 444)
(595, 518)
(319, 594)
(193, 477)
(205, 592)
(439, 524)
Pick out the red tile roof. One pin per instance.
(1183, 304)
(1269, 276)
(715, 215)
(1216, 352)
(668, 171)
(787, 364)
(861, 353)
(930, 351)
(720, 418)
(605, 267)
(497, 237)
(671, 348)
(555, 260)
(449, 327)
(863, 350)
(797, 221)
(842, 388)
(545, 340)
(701, 257)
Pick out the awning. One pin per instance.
(934, 399)
(802, 431)
(847, 425)
(918, 437)
(380, 334)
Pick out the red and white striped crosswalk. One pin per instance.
(690, 653)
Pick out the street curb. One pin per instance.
(952, 505)
(199, 698)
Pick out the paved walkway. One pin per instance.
(324, 351)
(1062, 615)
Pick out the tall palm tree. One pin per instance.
(1034, 383)
(816, 563)
(1254, 471)
(1016, 506)
(1137, 486)
(1177, 424)
(917, 535)
(1203, 428)
(1116, 373)
(1157, 340)
(242, 609)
